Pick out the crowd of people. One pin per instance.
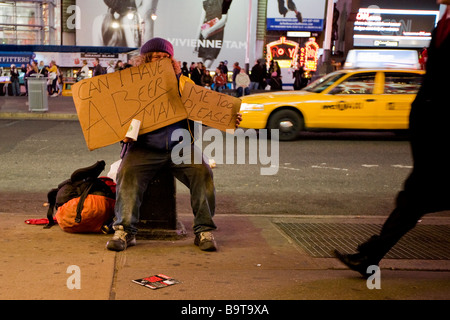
(52, 72)
(54, 75)
(221, 78)
(242, 82)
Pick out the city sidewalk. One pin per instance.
(258, 259)
(255, 261)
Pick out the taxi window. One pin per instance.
(360, 83)
(402, 83)
(321, 84)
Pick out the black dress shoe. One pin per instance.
(356, 262)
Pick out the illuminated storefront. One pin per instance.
(29, 22)
(309, 55)
(290, 57)
(285, 52)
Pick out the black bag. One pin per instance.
(82, 183)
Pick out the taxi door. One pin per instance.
(399, 91)
(351, 104)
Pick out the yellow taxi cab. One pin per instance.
(375, 99)
(67, 88)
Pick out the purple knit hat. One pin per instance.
(157, 45)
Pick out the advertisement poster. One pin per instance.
(207, 31)
(405, 24)
(295, 15)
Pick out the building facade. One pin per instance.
(30, 22)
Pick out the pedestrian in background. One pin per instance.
(31, 69)
(119, 65)
(185, 69)
(275, 76)
(110, 68)
(84, 71)
(42, 69)
(14, 78)
(258, 76)
(236, 70)
(426, 190)
(207, 80)
(220, 81)
(196, 73)
(242, 83)
(60, 81)
(52, 70)
(98, 69)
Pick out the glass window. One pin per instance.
(402, 82)
(321, 84)
(29, 22)
(360, 83)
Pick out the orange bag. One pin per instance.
(97, 212)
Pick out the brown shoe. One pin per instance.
(205, 241)
(121, 240)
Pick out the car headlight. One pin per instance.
(251, 107)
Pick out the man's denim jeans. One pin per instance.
(140, 165)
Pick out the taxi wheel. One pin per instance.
(288, 122)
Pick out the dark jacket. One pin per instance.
(257, 73)
(196, 76)
(14, 75)
(161, 139)
(98, 70)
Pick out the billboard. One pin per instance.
(209, 31)
(404, 24)
(295, 15)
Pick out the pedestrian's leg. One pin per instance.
(15, 88)
(54, 86)
(402, 219)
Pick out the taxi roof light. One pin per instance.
(382, 59)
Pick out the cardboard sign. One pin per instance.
(107, 104)
(213, 109)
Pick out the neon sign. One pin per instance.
(309, 55)
(284, 51)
